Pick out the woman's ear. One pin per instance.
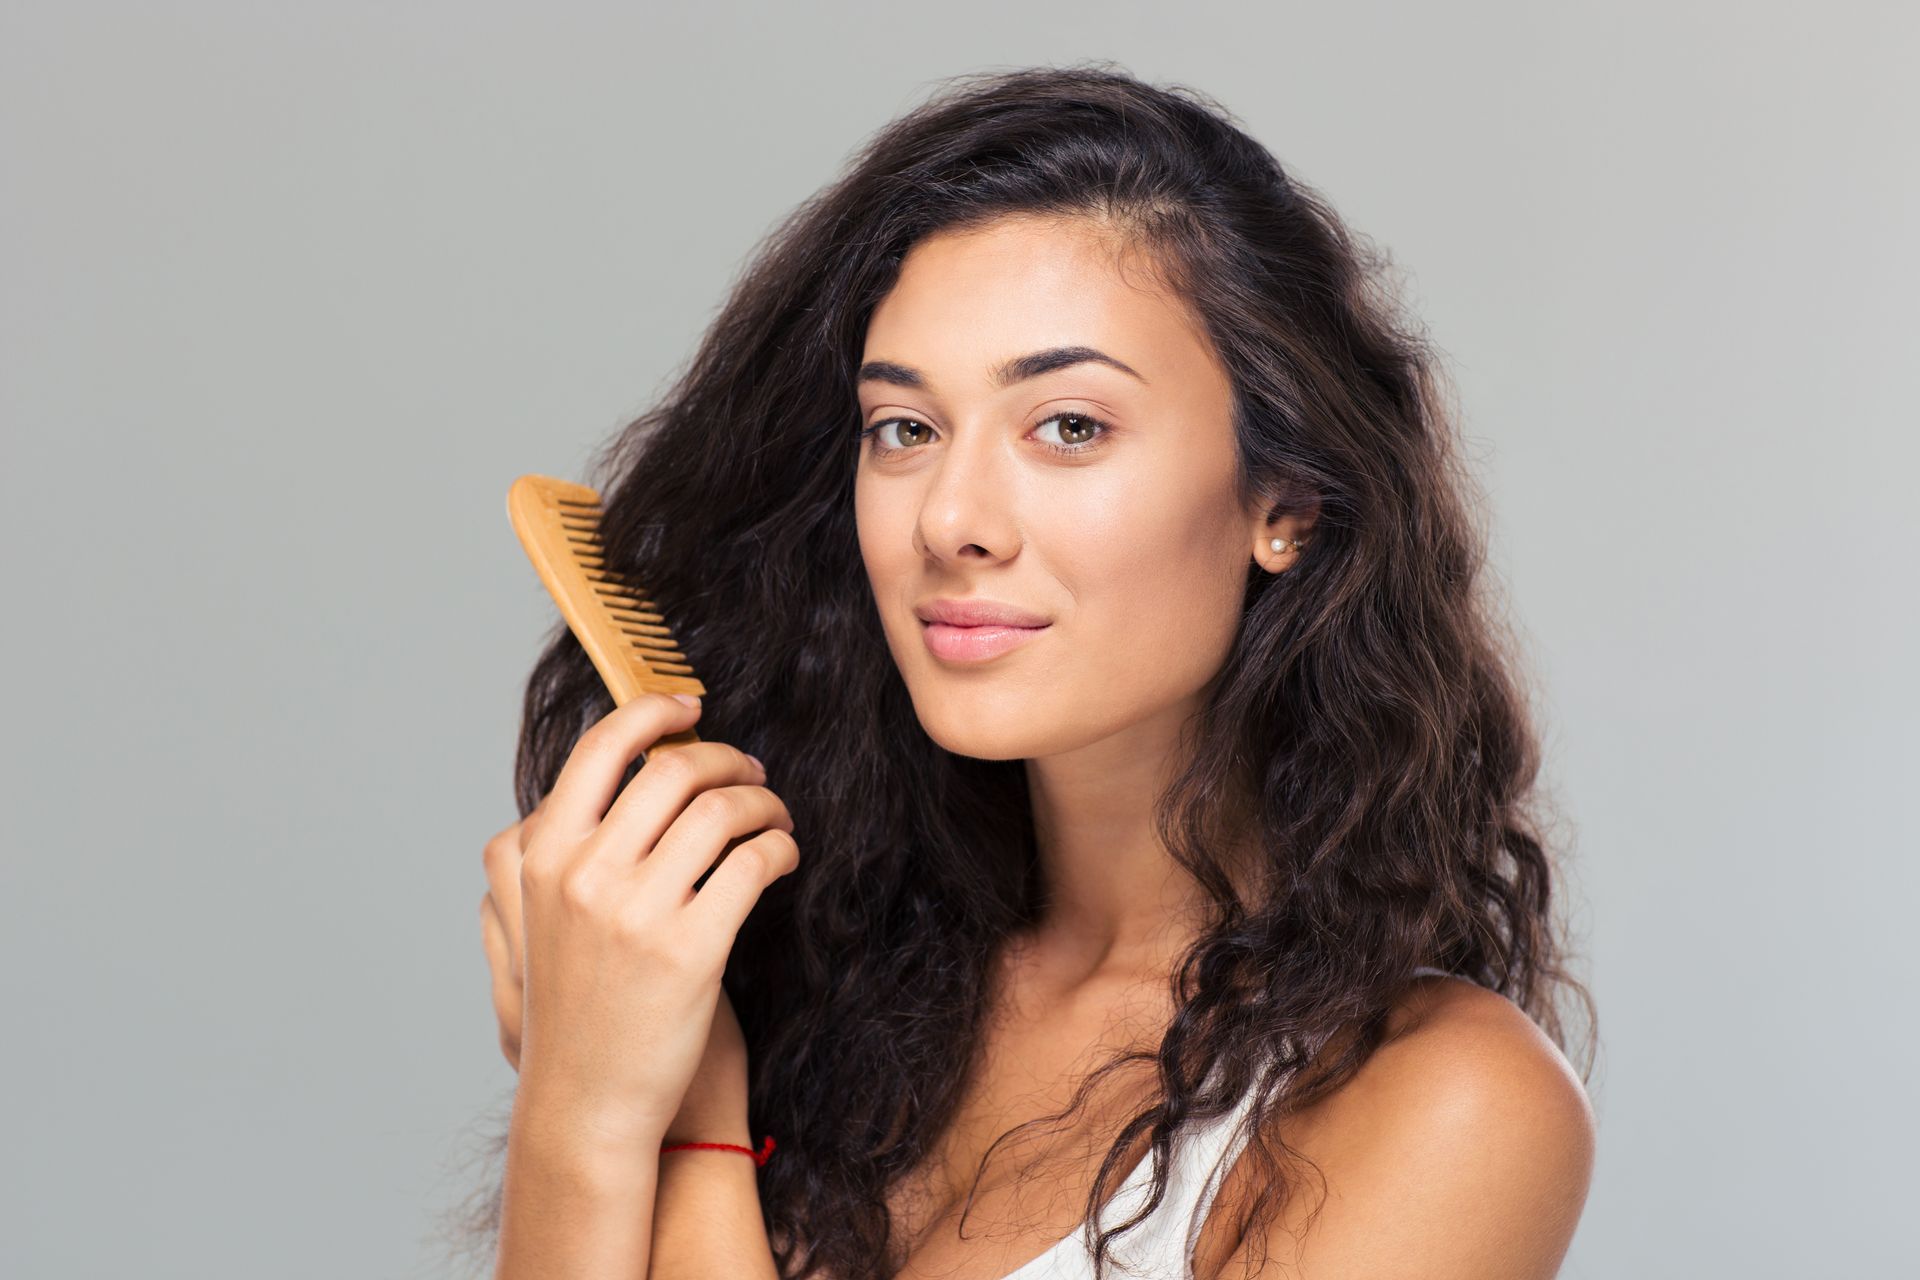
(1280, 533)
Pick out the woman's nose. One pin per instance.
(969, 499)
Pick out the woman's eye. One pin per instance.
(906, 429)
(874, 436)
(1075, 429)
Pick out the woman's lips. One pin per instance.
(974, 644)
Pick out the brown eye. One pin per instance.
(1078, 432)
(878, 443)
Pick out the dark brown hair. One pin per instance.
(1368, 739)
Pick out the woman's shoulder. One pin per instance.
(1466, 1131)
(1465, 1065)
(1458, 1046)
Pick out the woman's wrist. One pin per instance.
(572, 1207)
(616, 1151)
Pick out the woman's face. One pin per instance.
(1097, 500)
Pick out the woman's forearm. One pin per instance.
(570, 1210)
(706, 1219)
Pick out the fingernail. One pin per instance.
(687, 698)
(756, 762)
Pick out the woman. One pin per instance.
(1062, 511)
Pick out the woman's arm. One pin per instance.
(706, 1216)
(707, 1220)
(620, 980)
(571, 1210)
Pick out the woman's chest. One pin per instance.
(1039, 1164)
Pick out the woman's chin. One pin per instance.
(984, 744)
(984, 728)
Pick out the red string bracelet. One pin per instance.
(759, 1157)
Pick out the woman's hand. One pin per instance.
(608, 997)
(715, 1106)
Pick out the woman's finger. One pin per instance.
(721, 906)
(508, 995)
(590, 779)
(502, 857)
(698, 837)
(650, 804)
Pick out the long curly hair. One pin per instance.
(1368, 737)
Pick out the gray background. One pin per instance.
(291, 293)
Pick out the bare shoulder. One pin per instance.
(1463, 1148)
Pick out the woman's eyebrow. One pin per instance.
(1015, 370)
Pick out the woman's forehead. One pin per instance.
(968, 304)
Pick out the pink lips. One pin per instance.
(974, 644)
(975, 628)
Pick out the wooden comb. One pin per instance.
(558, 524)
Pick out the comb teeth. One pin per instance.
(619, 626)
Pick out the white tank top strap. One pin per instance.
(1162, 1244)
(1223, 1147)
(1152, 1248)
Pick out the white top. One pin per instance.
(1160, 1247)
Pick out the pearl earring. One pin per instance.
(1281, 544)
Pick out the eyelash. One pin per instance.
(1065, 450)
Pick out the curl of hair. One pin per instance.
(1360, 794)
